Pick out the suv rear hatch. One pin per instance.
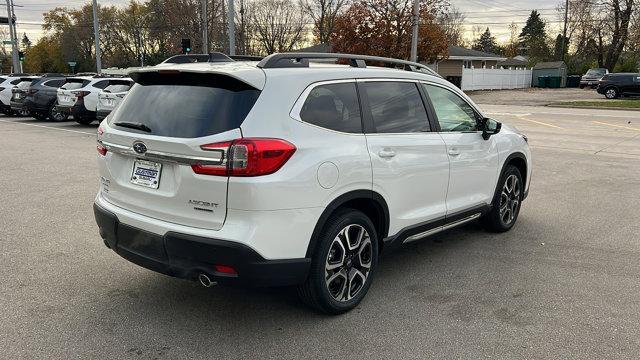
(68, 93)
(156, 135)
(113, 94)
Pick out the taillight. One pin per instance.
(247, 157)
(100, 130)
(101, 149)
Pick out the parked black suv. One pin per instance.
(613, 86)
(18, 95)
(42, 95)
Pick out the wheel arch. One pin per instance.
(369, 202)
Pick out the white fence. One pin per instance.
(495, 79)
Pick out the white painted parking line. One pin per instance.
(541, 123)
(614, 125)
(49, 127)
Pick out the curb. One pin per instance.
(591, 107)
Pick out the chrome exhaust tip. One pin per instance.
(205, 281)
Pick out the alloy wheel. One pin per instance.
(510, 200)
(611, 93)
(348, 263)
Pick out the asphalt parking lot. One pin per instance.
(564, 283)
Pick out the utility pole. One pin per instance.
(205, 28)
(232, 28)
(564, 32)
(414, 37)
(96, 35)
(14, 39)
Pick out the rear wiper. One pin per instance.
(131, 125)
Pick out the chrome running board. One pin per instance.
(441, 228)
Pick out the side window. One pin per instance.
(454, 114)
(396, 107)
(333, 106)
(15, 82)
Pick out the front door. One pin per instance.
(473, 160)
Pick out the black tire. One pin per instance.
(39, 116)
(55, 115)
(505, 206)
(22, 113)
(611, 93)
(83, 120)
(328, 296)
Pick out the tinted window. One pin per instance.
(185, 105)
(396, 107)
(454, 114)
(15, 82)
(101, 84)
(333, 106)
(54, 83)
(116, 88)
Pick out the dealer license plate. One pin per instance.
(146, 173)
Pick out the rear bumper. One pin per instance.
(102, 114)
(16, 105)
(186, 256)
(79, 110)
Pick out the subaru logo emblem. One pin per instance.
(139, 147)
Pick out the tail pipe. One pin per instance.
(206, 281)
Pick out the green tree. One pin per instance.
(45, 56)
(533, 38)
(486, 42)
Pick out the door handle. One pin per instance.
(454, 152)
(386, 153)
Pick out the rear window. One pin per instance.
(54, 83)
(116, 88)
(74, 84)
(24, 85)
(185, 105)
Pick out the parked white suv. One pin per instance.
(79, 97)
(284, 172)
(7, 83)
(111, 96)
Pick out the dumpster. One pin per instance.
(573, 81)
(543, 81)
(555, 81)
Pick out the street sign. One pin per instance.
(72, 63)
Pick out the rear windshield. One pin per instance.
(185, 105)
(74, 84)
(24, 85)
(116, 88)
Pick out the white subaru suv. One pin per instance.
(293, 172)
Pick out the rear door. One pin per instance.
(409, 161)
(155, 136)
(473, 160)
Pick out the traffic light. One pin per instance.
(186, 46)
(21, 55)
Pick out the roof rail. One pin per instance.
(246, 57)
(293, 60)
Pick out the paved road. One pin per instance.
(564, 283)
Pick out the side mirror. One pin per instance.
(490, 127)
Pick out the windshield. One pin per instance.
(185, 105)
(595, 72)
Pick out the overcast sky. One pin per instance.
(484, 13)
